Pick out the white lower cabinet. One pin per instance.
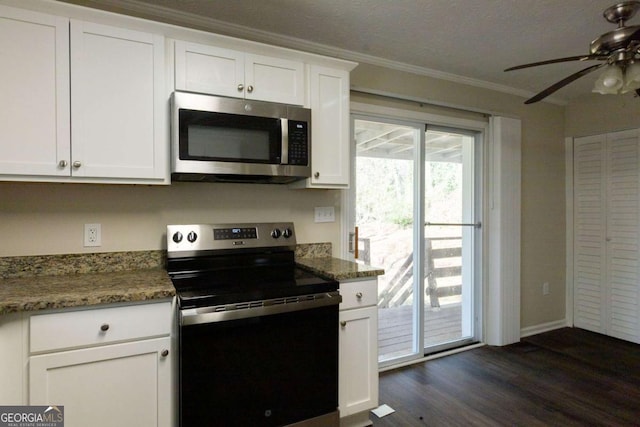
(110, 367)
(358, 362)
(13, 356)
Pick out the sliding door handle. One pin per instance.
(353, 242)
(453, 224)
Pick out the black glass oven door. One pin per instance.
(262, 371)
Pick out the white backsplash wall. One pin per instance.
(47, 218)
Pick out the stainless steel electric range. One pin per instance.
(258, 335)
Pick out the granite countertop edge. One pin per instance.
(35, 293)
(29, 284)
(338, 269)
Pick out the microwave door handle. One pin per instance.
(284, 155)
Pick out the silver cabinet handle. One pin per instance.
(240, 87)
(164, 353)
(316, 175)
(62, 163)
(359, 295)
(77, 164)
(104, 327)
(249, 88)
(343, 323)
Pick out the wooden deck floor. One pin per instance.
(395, 328)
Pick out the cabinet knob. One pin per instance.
(104, 327)
(240, 87)
(249, 88)
(77, 164)
(359, 295)
(62, 163)
(343, 323)
(164, 353)
(316, 175)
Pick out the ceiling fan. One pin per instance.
(619, 49)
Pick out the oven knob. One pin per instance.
(192, 236)
(286, 233)
(275, 233)
(177, 237)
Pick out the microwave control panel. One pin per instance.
(298, 143)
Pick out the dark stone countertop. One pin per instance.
(33, 283)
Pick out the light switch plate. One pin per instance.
(325, 214)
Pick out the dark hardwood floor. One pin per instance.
(567, 377)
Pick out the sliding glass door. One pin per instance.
(414, 202)
(450, 229)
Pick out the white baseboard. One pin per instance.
(544, 327)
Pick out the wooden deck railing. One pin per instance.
(400, 285)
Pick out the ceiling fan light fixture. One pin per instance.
(610, 81)
(631, 77)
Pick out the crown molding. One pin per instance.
(190, 20)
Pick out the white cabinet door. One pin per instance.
(111, 386)
(227, 72)
(358, 362)
(13, 349)
(117, 106)
(208, 69)
(329, 96)
(34, 83)
(274, 79)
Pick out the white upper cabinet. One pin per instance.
(117, 104)
(227, 72)
(83, 102)
(34, 83)
(329, 99)
(274, 79)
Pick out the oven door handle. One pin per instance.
(196, 316)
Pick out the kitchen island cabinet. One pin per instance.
(358, 360)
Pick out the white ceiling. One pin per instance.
(472, 39)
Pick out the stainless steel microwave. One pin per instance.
(236, 140)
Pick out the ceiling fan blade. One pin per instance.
(554, 61)
(575, 76)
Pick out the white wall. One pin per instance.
(44, 218)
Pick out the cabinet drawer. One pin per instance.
(98, 326)
(361, 293)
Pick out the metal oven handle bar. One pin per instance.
(196, 316)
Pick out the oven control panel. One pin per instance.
(203, 237)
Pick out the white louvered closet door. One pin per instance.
(623, 235)
(589, 233)
(607, 234)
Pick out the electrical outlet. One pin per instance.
(325, 214)
(92, 235)
(545, 288)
